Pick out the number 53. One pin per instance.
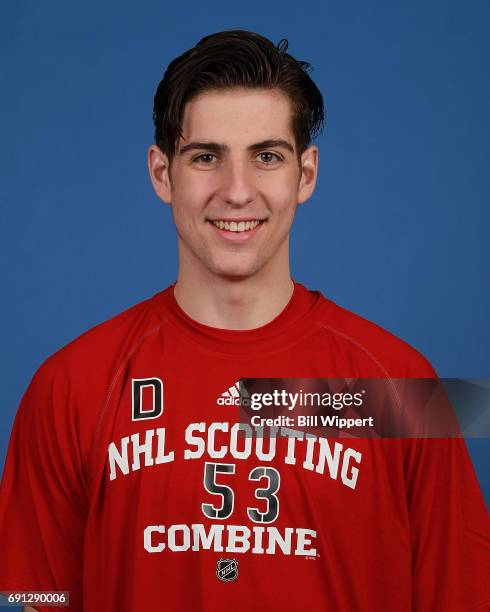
(212, 470)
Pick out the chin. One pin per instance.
(234, 275)
(235, 272)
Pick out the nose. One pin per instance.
(237, 183)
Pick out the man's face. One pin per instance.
(235, 181)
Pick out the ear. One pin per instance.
(309, 171)
(159, 168)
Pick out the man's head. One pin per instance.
(236, 59)
(234, 118)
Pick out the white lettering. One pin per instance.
(303, 541)
(116, 457)
(230, 539)
(351, 480)
(151, 548)
(236, 542)
(161, 456)
(210, 541)
(139, 449)
(172, 541)
(198, 442)
(212, 452)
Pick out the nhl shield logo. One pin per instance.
(227, 569)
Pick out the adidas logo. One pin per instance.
(231, 397)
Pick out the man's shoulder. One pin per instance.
(68, 392)
(385, 350)
(101, 348)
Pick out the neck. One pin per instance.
(233, 303)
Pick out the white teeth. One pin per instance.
(233, 226)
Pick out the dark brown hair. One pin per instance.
(229, 59)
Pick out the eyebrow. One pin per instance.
(272, 143)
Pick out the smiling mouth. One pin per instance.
(237, 226)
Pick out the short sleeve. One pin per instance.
(43, 501)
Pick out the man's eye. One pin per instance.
(205, 158)
(268, 158)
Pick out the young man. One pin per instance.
(127, 482)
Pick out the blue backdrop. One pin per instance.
(397, 229)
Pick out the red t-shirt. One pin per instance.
(131, 511)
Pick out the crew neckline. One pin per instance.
(297, 319)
